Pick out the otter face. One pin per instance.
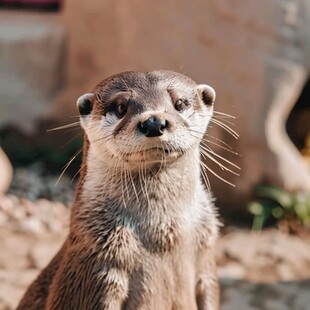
(150, 117)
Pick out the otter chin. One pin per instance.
(152, 155)
(143, 225)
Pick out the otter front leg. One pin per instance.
(88, 285)
(36, 295)
(115, 289)
(207, 287)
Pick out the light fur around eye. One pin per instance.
(110, 118)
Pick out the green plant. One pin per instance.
(274, 203)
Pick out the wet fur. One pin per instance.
(139, 239)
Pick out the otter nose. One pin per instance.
(152, 127)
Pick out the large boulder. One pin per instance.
(256, 55)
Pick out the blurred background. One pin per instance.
(255, 54)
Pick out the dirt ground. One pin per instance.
(32, 232)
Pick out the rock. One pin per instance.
(19, 245)
(265, 256)
(12, 286)
(35, 178)
(42, 253)
(33, 217)
(7, 204)
(277, 296)
(256, 56)
(33, 225)
(232, 270)
(6, 174)
(3, 218)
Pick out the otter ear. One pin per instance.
(206, 93)
(85, 104)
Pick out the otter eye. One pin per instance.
(121, 110)
(180, 105)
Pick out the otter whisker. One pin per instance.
(143, 183)
(206, 151)
(207, 155)
(122, 185)
(220, 146)
(64, 126)
(133, 186)
(140, 176)
(127, 88)
(191, 174)
(130, 185)
(219, 140)
(171, 81)
(77, 173)
(225, 127)
(209, 169)
(209, 150)
(103, 138)
(72, 139)
(220, 119)
(221, 165)
(144, 173)
(111, 171)
(124, 181)
(68, 164)
(224, 114)
(203, 173)
(191, 114)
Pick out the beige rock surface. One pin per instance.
(237, 295)
(256, 55)
(6, 173)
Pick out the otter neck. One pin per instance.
(153, 205)
(170, 184)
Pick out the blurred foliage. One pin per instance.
(291, 211)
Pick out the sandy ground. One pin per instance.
(32, 232)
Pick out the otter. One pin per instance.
(143, 225)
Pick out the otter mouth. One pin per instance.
(152, 155)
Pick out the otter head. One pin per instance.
(155, 117)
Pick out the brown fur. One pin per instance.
(142, 234)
